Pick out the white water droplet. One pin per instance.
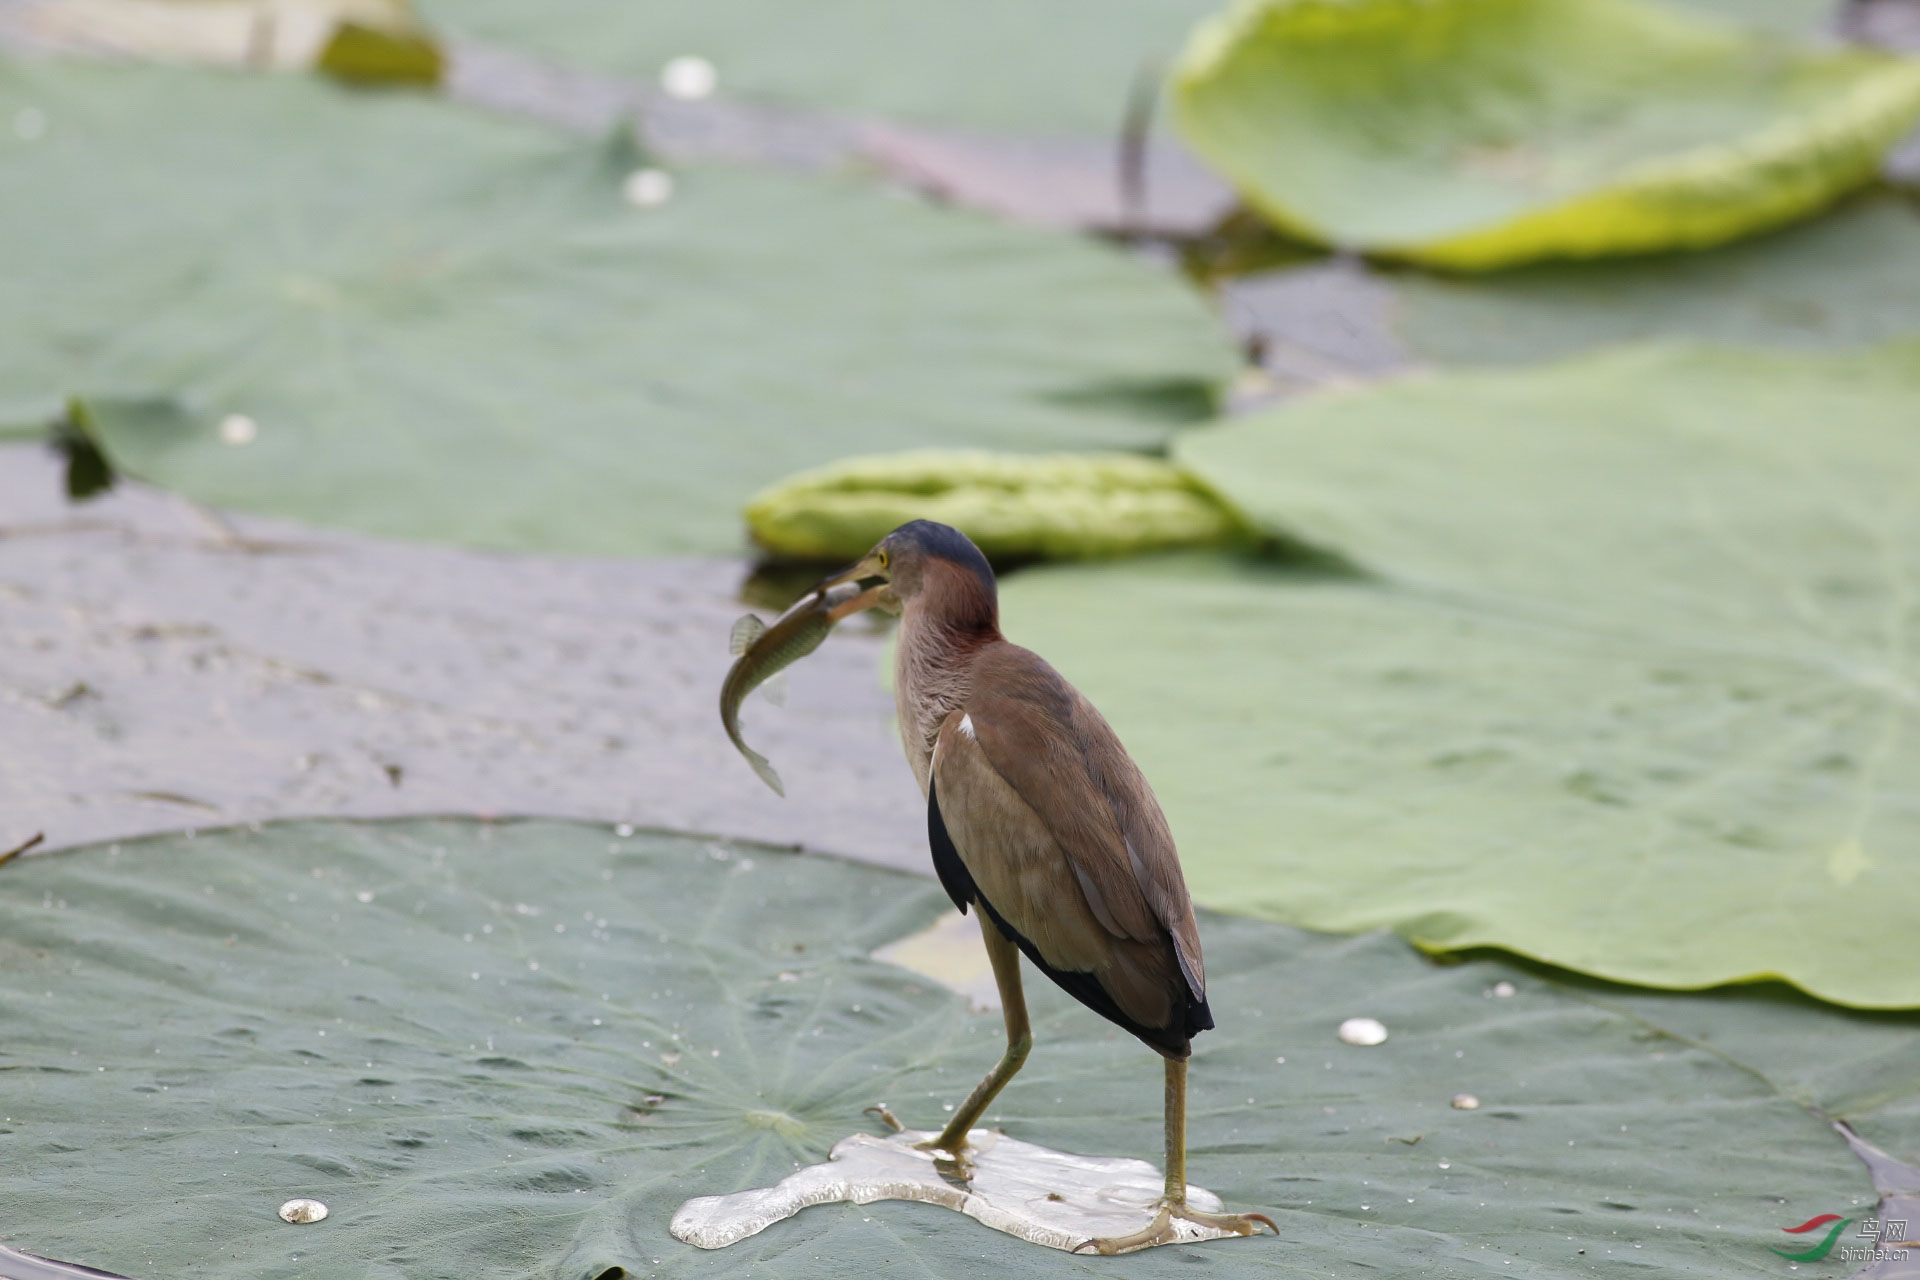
(1501, 990)
(238, 429)
(1465, 1102)
(624, 830)
(1365, 1031)
(689, 78)
(647, 188)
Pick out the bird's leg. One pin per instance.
(1173, 1204)
(952, 1140)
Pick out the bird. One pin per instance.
(1040, 822)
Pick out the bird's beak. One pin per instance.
(876, 589)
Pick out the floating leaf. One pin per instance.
(199, 1029)
(1629, 694)
(440, 325)
(1848, 279)
(371, 55)
(372, 40)
(1059, 506)
(992, 64)
(1476, 134)
(77, 437)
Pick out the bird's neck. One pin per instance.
(932, 676)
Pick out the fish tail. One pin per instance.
(767, 775)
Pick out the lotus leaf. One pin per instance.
(1475, 134)
(1847, 279)
(514, 1049)
(386, 313)
(377, 40)
(988, 64)
(1060, 506)
(1628, 689)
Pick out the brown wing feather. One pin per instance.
(1081, 852)
(1063, 758)
(1030, 888)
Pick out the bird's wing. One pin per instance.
(1062, 834)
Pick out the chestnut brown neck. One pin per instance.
(942, 627)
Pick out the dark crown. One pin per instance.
(944, 542)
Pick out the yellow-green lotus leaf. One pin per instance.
(1056, 506)
(1475, 134)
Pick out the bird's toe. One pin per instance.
(1241, 1224)
(1159, 1231)
(1162, 1231)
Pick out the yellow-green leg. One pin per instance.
(1173, 1204)
(952, 1140)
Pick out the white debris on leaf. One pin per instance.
(301, 1209)
(1048, 1197)
(1365, 1031)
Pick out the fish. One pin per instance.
(762, 652)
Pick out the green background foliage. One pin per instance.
(1051, 66)
(452, 328)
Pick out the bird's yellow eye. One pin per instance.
(883, 559)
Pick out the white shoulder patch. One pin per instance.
(966, 725)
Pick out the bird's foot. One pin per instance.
(953, 1161)
(1162, 1231)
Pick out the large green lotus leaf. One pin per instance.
(450, 327)
(513, 1050)
(1630, 691)
(1060, 506)
(1741, 500)
(1847, 279)
(992, 64)
(1653, 807)
(1475, 134)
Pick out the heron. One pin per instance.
(1039, 819)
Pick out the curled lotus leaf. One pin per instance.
(1476, 134)
(1051, 506)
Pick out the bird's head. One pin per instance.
(924, 565)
